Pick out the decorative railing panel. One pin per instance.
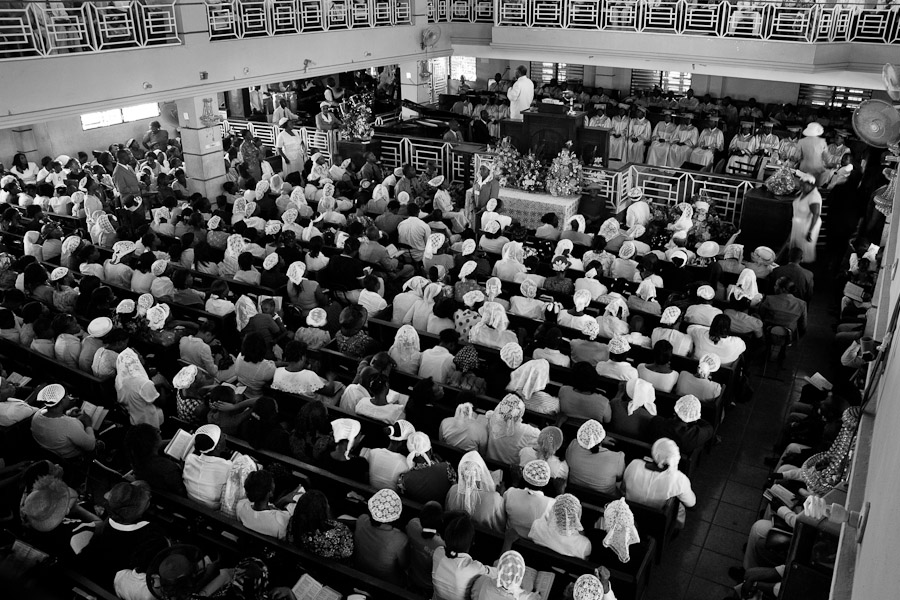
(239, 19)
(745, 19)
(53, 29)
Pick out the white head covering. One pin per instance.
(435, 242)
(436, 181)
(590, 328)
(419, 445)
(272, 227)
(234, 245)
(590, 434)
(536, 472)
(289, 216)
(244, 310)
(528, 288)
(51, 395)
(531, 377)
(564, 247)
(641, 393)
(580, 224)
(157, 315)
(494, 316)
(627, 250)
(214, 222)
(474, 477)
(158, 267)
(402, 198)
(58, 273)
(708, 249)
(510, 573)
(345, 429)
(511, 354)
(472, 298)
(581, 299)
(636, 231)
(144, 302)
(609, 229)
(296, 272)
(507, 416)
(467, 269)
(270, 261)
(406, 342)
(588, 587)
(415, 284)
(185, 377)
(735, 251)
(160, 214)
(763, 255)
(564, 515)
(513, 251)
(670, 315)
(317, 317)
(468, 247)
(492, 227)
(646, 290)
(385, 506)
(688, 408)
(708, 364)
(617, 307)
(122, 249)
(746, 286)
(125, 307)
(99, 327)
(213, 432)
(706, 292)
(491, 205)
(619, 345)
(618, 521)
(665, 452)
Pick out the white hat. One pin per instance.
(157, 315)
(813, 129)
(636, 193)
(296, 272)
(249, 209)
(270, 261)
(619, 345)
(398, 172)
(385, 506)
(158, 267)
(688, 408)
(491, 205)
(345, 429)
(670, 315)
(763, 254)
(679, 254)
(99, 327)
(185, 377)
(211, 431)
(708, 249)
(214, 222)
(706, 292)
(401, 430)
(51, 394)
(272, 227)
(708, 363)
(590, 434)
(261, 188)
(437, 181)
(317, 317)
(58, 273)
(536, 473)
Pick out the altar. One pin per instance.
(529, 207)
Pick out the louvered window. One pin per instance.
(832, 97)
(675, 81)
(543, 72)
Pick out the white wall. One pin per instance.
(781, 92)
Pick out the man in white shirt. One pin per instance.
(526, 505)
(282, 112)
(437, 362)
(521, 94)
(386, 465)
(414, 232)
(703, 312)
(258, 513)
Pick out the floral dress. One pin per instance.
(358, 345)
(335, 542)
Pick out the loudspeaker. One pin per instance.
(689, 166)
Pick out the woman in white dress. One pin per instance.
(638, 136)
(290, 146)
(663, 134)
(741, 150)
(807, 220)
(683, 142)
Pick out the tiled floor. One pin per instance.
(730, 480)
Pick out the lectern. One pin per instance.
(547, 129)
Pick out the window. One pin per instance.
(463, 65)
(117, 116)
(675, 81)
(543, 72)
(833, 97)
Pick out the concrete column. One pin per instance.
(25, 142)
(413, 87)
(202, 145)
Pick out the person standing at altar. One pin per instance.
(741, 150)
(638, 135)
(683, 143)
(788, 149)
(767, 144)
(617, 136)
(813, 150)
(663, 134)
(521, 94)
(711, 141)
(483, 189)
(806, 221)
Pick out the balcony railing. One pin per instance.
(240, 19)
(789, 21)
(55, 29)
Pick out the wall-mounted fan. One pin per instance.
(430, 36)
(878, 124)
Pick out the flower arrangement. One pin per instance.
(706, 225)
(358, 123)
(531, 174)
(506, 162)
(566, 175)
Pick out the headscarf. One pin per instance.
(474, 477)
(185, 377)
(580, 224)
(289, 216)
(618, 308)
(157, 316)
(708, 363)
(564, 515)
(511, 573)
(706, 292)
(380, 192)
(272, 227)
(494, 316)
(688, 408)
(763, 255)
(513, 251)
(627, 250)
(531, 377)
(618, 521)
(588, 587)
(466, 360)
(734, 251)
(665, 452)
(619, 345)
(493, 287)
(746, 286)
(472, 298)
(435, 243)
(528, 288)
(536, 472)
(641, 393)
(609, 229)
(511, 354)
(590, 434)
(415, 284)
(144, 302)
(684, 222)
(317, 317)
(581, 299)
(234, 246)
(670, 315)
(161, 214)
(244, 310)
(406, 342)
(636, 231)
(491, 205)
(507, 416)
(467, 269)
(646, 290)
(296, 272)
(403, 198)
(564, 247)
(159, 267)
(419, 445)
(468, 247)
(121, 249)
(590, 328)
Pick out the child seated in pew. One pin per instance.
(313, 529)
(369, 298)
(246, 272)
(185, 294)
(67, 345)
(258, 513)
(44, 340)
(225, 407)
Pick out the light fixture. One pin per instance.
(209, 118)
(246, 70)
(367, 54)
(409, 75)
(147, 85)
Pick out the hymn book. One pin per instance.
(538, 581)
(96, 413)
(307, 588)
(181, 444)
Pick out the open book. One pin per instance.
(538, 581)
(96, 413)
(181, 444)
(308, 588)
(393, 251)
(819, 381)
(786, 497)
(18, 380)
